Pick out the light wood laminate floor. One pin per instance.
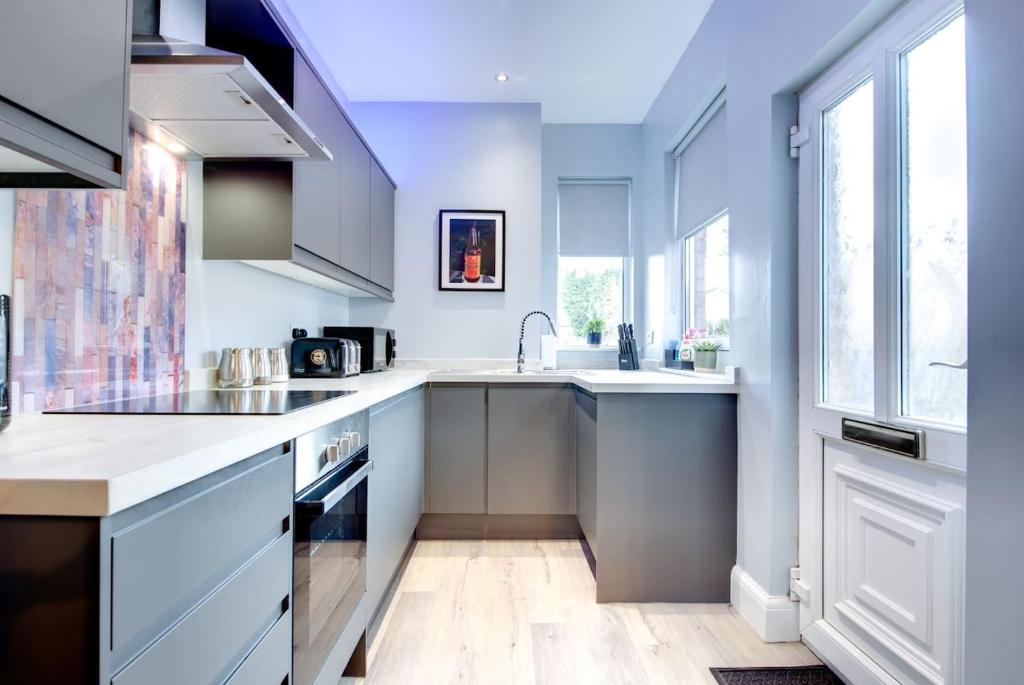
(493, 612)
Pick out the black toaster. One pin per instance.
(317, 358)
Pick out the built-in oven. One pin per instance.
(329, 576)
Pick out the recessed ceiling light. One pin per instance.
(501, 78)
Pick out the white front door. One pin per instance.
(883, 350)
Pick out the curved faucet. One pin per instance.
(521, 357)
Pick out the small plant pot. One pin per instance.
(594, 339)
(704, 360)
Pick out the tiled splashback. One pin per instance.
(98, 309)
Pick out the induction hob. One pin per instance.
(254, 401)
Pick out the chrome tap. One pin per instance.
(521, 357)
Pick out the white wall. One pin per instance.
(230, 304)
(586, 151)
(762, 53)
(995, 515)
(457, 156)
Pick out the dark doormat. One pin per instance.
(796, 675)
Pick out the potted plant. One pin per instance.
(594, 329)
(705, 355)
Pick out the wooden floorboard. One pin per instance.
(517, 611)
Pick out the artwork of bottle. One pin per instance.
(471, 270)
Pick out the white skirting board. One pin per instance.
(848, 662)
(773, 618)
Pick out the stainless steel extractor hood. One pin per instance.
(203, 102)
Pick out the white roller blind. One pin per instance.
(701, 175)
(593, 219)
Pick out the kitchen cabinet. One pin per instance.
(327, 223)
(382, 228)
(586, 466)
(457, 449)
(316, 185)
(180, 588)
(397, 430)
(64, 93)
(531, 460)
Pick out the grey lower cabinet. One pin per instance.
(185, 588)
(64, 93)
(586, 466)
(531, 461)
(457, 450)
(397, 429)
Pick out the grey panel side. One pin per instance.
(586, 467)
(666, 497)
(49, 580)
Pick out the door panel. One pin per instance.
(382, 228)
(316, 188)
(355, 202)
(892, 543)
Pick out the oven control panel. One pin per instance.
(318, 451)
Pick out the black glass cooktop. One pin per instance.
(247, 401)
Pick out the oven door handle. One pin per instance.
(317, 507)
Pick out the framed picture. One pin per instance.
(472, 254)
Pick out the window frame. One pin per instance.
(627, 260)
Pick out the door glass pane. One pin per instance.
(934, 293)
(848, 251)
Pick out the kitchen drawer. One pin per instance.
(210, 642)
(271, 661)
(183, 547)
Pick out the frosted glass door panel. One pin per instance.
(848, 251)
(934, 287)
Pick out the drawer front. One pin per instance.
(209, 643)
(163, 565)
(270, 663)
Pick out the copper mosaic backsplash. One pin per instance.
(98, 309)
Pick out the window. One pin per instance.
(589, 288)
(706, 271)
(702, 223)
(593, 261)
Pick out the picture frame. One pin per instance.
(471, 250)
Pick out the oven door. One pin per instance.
(329, 562)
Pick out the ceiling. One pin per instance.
(585, 61)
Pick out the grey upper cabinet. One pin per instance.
(457, 450)
(316, 186)
(397, 429)
(354, 160)
(64, 92)
(531, 460)
(313, 221)
(382, 228)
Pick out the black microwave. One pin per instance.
(378, 344)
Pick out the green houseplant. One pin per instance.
(705, 355)
(594, 330)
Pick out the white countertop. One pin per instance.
(99, 464)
